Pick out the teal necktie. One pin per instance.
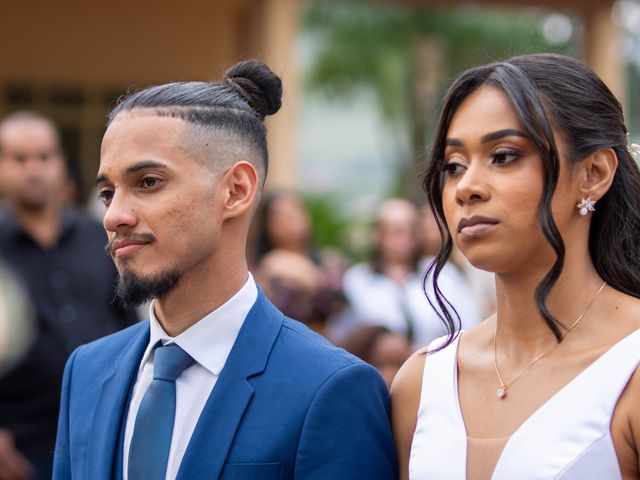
(151, 440)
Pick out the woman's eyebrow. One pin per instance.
(507, 132)
(489, 137)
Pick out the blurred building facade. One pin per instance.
(72, 60)
(601, 36)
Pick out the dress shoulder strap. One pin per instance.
(439, 446)
(439, 382)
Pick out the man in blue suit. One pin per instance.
(218, 384)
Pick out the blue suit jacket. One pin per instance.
(287, 405)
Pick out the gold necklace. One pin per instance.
(501, 393)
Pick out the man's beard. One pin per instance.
(134, 290)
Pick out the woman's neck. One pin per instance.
(520, 326)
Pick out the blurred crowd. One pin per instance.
(378, 309)
(56, 284)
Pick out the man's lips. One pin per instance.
(476, 226)
(126, 248)
(121, 246)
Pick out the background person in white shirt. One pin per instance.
(219, 383)
(388, 289)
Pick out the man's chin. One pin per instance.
(134, 289)
(33, 202)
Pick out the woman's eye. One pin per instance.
(453, 168)
(504, 157)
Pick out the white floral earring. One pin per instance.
(586, 205)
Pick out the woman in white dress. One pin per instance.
(532, 177)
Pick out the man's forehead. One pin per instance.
(132, 131)
(136, 142)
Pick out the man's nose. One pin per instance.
(33, 165)
(120, 214)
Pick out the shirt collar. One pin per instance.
(210, 340)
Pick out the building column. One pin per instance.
(603, 47)
(280, 21)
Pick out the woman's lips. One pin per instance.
(476, 231)
(476, 227)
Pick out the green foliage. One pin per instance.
(328, 224)
(370, 44)
(373, 45)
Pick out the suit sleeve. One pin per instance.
(347, 433)
(62, 458)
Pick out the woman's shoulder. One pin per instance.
(625, 422)
(408, 380)
(407, 383)
(405, 403)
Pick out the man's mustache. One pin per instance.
(136, 237)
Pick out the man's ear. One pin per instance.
(598, 170)
(241, 185)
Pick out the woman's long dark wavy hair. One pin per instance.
(553, 92)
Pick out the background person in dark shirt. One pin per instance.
(58, 254)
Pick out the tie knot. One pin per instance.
(169, 362)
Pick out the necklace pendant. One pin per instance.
(501, 392)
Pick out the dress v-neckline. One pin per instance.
(540, 411)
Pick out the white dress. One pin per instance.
(567, 438)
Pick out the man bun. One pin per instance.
(256, 84)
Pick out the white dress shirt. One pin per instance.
(375, 299)
(209, 342)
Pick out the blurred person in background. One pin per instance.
(301, 280)
(57, 254)
(388, 289)
(16, 321)
(16, 336)
(284, 222)
(379, 347)
(293, 283)
(300, 288)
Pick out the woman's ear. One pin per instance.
(241, 188)
(598, 170)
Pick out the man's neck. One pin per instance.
(42, 224)
(195, 297)
(397, 271)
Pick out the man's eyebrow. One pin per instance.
(101, 178)
(142, 166)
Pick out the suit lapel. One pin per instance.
(221, 416)
(112, 403)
